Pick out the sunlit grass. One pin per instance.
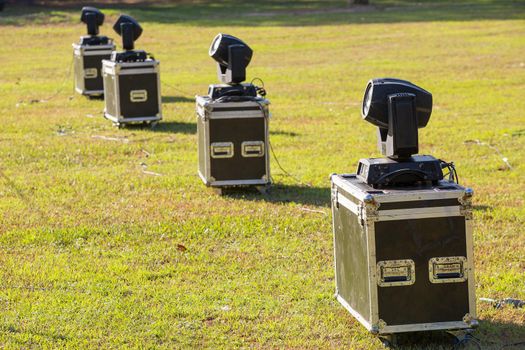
(95, 253)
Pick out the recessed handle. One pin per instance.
(138, 95)
(221, 150)
(447, 269)
(90, 73)
(252, 149)
(391, 273)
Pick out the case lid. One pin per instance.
(361, 191)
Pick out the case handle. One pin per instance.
(252, 149)
(393, 273)
(138, 95)
(90, 73)
(221, 150)
(448, 269)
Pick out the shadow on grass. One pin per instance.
(273, 12)
(318, 196)
(283, 133)
(481, 207)
(176, 127)
(490, 335)
(177, 99)
(96, 98)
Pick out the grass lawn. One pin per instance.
(96, 253)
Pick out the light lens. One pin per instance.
(215, 44)
(368, 99)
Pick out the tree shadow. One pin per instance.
(279, 193)
(274, 12)
(177, 99)
(176, 127)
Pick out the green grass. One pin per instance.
(95, 253)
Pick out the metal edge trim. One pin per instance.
(348, 204)
(110, 117)
(159, 94)
(203, 178)
(147, 63)
(334, 208)
(80, 84)
(139, 119)
(239, 182)
(424, 327)
(338, 180)
(97, 53)
(448, 210)
(91, 92)
(115, 80)
(354, 313)
(372, 272)
(471, 279)
(229, 115)
(267, 148)
(207, 146)
(138, 71)
(422, 194)
(417, 213)
(94, 47)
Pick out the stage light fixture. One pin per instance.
(129, 29)
(398, 108)
(93, 19)
(232, 56)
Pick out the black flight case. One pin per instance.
(233, 142)
(404, 255)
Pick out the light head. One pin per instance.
(129, 29)
(398, 108)
(232, 56)
(93, 19)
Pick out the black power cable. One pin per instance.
(452, 173)
(260, 89)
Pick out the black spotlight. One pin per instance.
(89, 53)
(232, 56)
(93, 19)
(398, 108)
(129, 29)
